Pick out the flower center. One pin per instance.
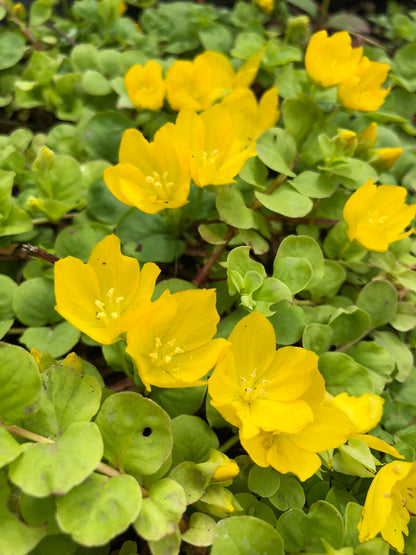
(374, 217)
(163, 353)
(109, 308)
(251, 388)
(163, 188)
(209, 157)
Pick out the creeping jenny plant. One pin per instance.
(221, 356)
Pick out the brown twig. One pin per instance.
(37, 252)
(59, 32)
(216, 253)
(22, 27)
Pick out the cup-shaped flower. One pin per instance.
(151, 175)
(367, 138)
(298, 452)
(216, 144)
(330, 60)
(145, 86)
(384, 158)
(377, 215)
(362, 89)
(390, 499)
(197, 84)
(365, 413)
(173, 345)
(104, 297)
(256, 388)
(252, 116)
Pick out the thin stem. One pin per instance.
(216, 253)
(25, 30)
(59, 32)
(324, 11)
(195, 205)
(122, 360)
(226, 446)
(30, 250)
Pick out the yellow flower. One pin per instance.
(362, 90)
(390, 499)
(216, 144)
(365, 413)
(198, 84)
(255, 387)
(145, 86)
(246, 74)
(330, 60)
(377, 216)
(266, 5)
(151, 176)
(173, 345)
(252, 116)
(297, 452)
(222, 467)
(384, 158)
(104, 297)
(367, 138)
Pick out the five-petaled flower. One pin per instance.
(173, 345)
(377, 215)
(330, 60)
(390, 501)
(104, 297)
(151, 176)
(145, 85)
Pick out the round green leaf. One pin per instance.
(103, 134)
(19, 383)
(55, 468)
(103, 205)
(288, 321)
(75, 241)
(95, 83)
(379, 300)
(263, 481)
(192, 479)
(405, 317)
(84, 57)
(315, 185)
(276, 148)
(290, 494)
(246, 535)
(398, 350)
(99, 508)
(305, 247)
(34, 302)
(181, 400)
(57, 341)
(342, 373)
(12, 48)
(9, 447)
(232, 209)
(161, 510)
(317, 337)
(8, 288)
(136, 432)
(287, 201)
(201, 530)
(192, 439)
(332, 279)
(296, 273)
(254, 507)
(15, 537)
(349, 324)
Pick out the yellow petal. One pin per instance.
(272, 415)
(285, 456)
(364, 412)
(379, 445)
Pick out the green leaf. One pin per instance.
(290, 494)
(303, 247)
(201, 530)
(287, 201)
(181, 400)
(6, 186)
(334, 276)
(263, 481)
(55, 468)
(57, 341)
(193, 480)
(315, 185)
(317, 337)
(288, 321)
(232, 209)
(254, 172)
(349, 324)
(8, 288)
(84, 57)
(244, 275)
(95, 83)
(296, 273)
(102, 205)
(136, 432)
(75, 241)
(12, 48)
(9, 447)
(300, 116)
(350, 172)
(40, 11)
(376, 359)
(342, 373)
(103, 134)
(246, 535)
(405, 317)
(161, 510)
(253, 507)
(34, 302)
(192, 439)
(99, 508)
(19, 383)
(15, 537)
(276, 148)
(379, 300)
(399, 352)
